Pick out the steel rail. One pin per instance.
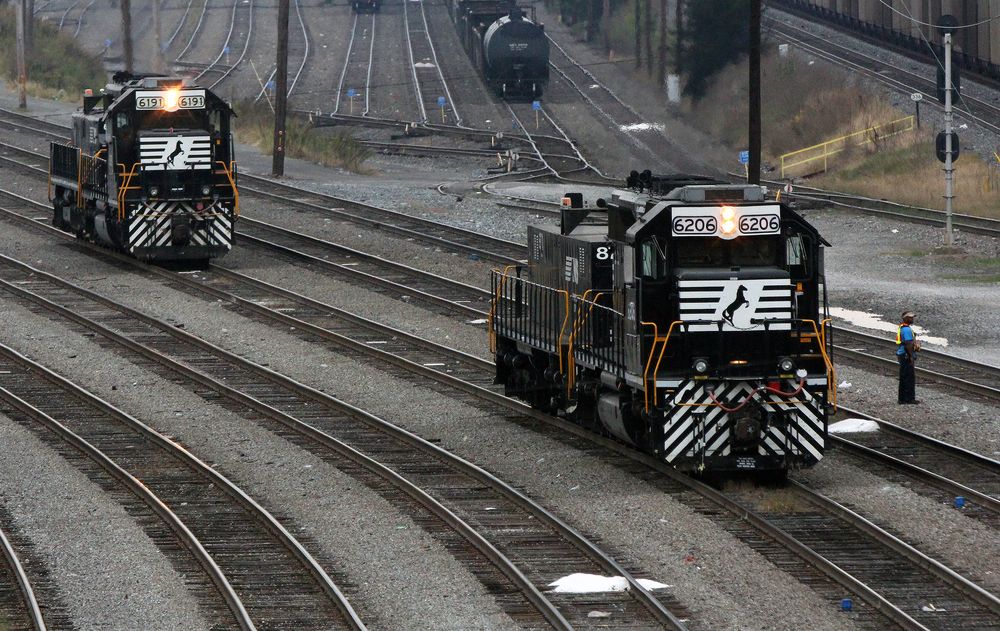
(545, 607)
(347, 64)
(222, 51)
(305, 54)
(194, 33)
(568, 532)
(413, 65)
(23, 583)
(134, 485)
(62, 20)
(437, 66)
(79, 20)
(180, 25)
(371, 63)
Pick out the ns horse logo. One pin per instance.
(739, 302)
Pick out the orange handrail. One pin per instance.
(126, 179)
(577, 324)
(79, 179)
(562, 331)
(491, 334)
(232, 182)
(831, 374)
(659, 360)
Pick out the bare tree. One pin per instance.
(638, 33)
(649, 37)
(663, 42)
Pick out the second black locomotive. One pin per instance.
(510, 50)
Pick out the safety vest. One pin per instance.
(899, 337)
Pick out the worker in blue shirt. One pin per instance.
(907, 347)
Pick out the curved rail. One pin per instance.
(24, 584)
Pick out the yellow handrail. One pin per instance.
(562, 331)
(659, 360)
(826, 150)
(79, 179)
(491, 334)
(577, 324)
(645, 372)
(831, 374)
(232, 182)
(126, 179)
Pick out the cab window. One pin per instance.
(653, 259)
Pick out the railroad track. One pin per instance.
(296, 48)
(357, 70)
(194, 32)
(803, 552)
(941, 470)
(206, 506)
(428, 79)
(241, 22)
(489, 515)
(18, 605)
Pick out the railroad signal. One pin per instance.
(956, 84)
(940, 146)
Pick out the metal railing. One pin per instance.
(597, 338)
(531, 313)
(817, 156)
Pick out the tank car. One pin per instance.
(684, 316)
(509, 49)
(365, 6)
(149, 170)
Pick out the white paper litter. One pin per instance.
(931, 607)
(844, 385)
(599, 614)
(592, 583)
(853, 426)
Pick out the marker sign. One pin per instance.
(270, 85)
(107, 43)
(536, 105)
(442, 101)
(744, 157)
(351, 92)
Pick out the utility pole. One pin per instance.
(679, 29)
(663, 43)
(949, 167)
(753, 168)
(649, 38)
(606, 23)
(638, 33)
(22, 62)
(281, 92)
(158, 64)
(127, 34)
(29, 26)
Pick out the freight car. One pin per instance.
(510, 50)
(685, 316)
(976, 49)
(365, 6)
(149, 170)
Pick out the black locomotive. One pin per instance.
(510, 50)
(149, 170)
(685, 316)
(365, 6)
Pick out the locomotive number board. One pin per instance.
(725, 222)
(160, 99)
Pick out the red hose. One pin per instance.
(782, 393)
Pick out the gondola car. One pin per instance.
(149, 170)
(685, 316)
(509, 49)
(365, 6)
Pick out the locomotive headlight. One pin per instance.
(154, 191)
(727, 221)
(170, 99)
(700, 365)
(786, 365)
(206, 189)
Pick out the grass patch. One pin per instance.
(58, 68)
(255, 126)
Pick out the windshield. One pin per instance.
(715, 252)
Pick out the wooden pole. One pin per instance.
(638, 33)
(649, 37)
(606, 23)
(127, 34)
(679, 42)
(753, 168)
(281, 92)
(22, 62)
(158, 59)
(29, 26)
(663, 42)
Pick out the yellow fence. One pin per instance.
(814, 159)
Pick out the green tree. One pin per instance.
(716, 34)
